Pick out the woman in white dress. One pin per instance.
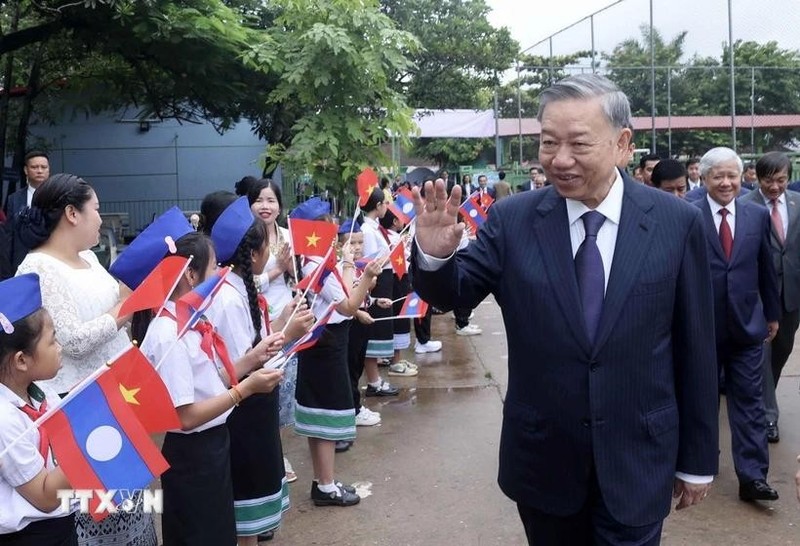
(61, 226)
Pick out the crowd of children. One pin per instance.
(227, 481)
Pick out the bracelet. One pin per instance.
(238, 393)
(230, 393)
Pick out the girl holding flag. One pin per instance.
(325, 412)
(376, 243)
(203, 384)
(261, 494)
(31, 512)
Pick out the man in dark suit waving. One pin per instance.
(606, 294)
(746, 309)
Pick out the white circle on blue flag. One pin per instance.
(473, 213)
(408, 207)
(413, 302)
(103, 443)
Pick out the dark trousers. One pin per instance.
(591, 526)
(462, 316)
(422, 327)
(356, 353)
(775, 356)
(50, 532)
(744, 396)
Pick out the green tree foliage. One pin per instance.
(458, 66)
(314, 77)
(701, 86)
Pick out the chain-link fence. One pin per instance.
(678, 77)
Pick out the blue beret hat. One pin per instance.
(149, 247)
(231, 227)
(344, 227)
(19, 297)
(311, 209)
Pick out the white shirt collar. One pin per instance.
(716, 207)
(610, 207)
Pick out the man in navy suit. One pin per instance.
(746, 311)
(37, 170)
(606, 294)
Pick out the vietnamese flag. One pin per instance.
(156, 287)
(312, 237)
(398, 257)
(144, 391)
(100, 444)
(366, 182)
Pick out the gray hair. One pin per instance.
(589, 86)
(718, 155)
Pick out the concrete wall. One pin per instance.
(146, 172)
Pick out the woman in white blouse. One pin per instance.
(61, 226)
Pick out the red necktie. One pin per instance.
(262, 304)
(34, 414)
(211, 342)
(777, 222)
(725, 235)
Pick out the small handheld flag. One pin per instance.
(156, 287)
(191, 306)
(100, 444)
(366, 182)
(312, 238)
(473, 213)
(398, 257)
(144, 391)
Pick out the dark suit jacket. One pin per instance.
(17, 249)
(634, 407)
(746, 288)
(786, 256)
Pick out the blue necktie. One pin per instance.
(589, 270)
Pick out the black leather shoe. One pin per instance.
(340, 497)
(757, 490)
(773, 434)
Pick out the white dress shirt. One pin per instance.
(731, 219)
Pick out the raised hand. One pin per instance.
(438, 232)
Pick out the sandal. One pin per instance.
(290, 474)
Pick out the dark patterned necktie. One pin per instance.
(590, 273)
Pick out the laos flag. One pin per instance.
(101, 445)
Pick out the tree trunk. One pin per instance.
(27, 110)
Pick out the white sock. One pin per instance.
(329, 488)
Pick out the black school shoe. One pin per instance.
(340, 497)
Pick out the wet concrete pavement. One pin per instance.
(427, 474)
